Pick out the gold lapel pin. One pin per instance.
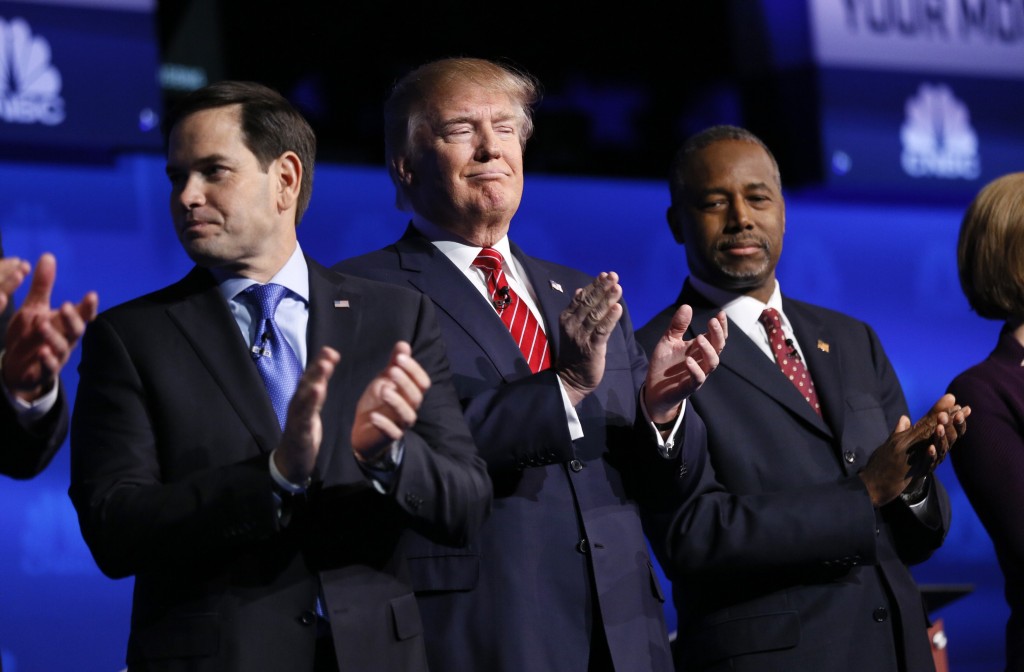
(822, 345)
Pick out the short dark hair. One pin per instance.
(990, 249)
(705, 138)
(270, 125)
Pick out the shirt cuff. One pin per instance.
(282, 482)
(382, 472)
(29, 412)
(571, 417)
(666, 444)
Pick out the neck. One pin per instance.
(1017, 326)
(478, 234)
(264, 267)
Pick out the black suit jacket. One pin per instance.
(785, 564)
(24, 452)
(170, 477)
(564, 547)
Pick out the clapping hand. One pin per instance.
(39, 338)
(678, 367)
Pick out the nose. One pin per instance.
(740, 214)
(189, 193)
(488, 147)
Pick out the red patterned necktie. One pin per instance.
(788, 358)
(514, 312)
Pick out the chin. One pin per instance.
(752, 272)
(738, 280)
(202, 255)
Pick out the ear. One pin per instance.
(401, 168)
(288, 173)
(675, 216)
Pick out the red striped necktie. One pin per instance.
(788, 359)
(514, 312)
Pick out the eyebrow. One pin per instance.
(746, 187)
(201, 162)
(468, 119)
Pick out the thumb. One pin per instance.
(42, 280)
(400, 348)
(680, 322)
(903, 424)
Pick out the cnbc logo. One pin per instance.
(938, 140)
(29, 83)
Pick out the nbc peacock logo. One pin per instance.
(29, 83)
(938, 139)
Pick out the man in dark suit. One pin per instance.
(264, 535)
(564, 410)
(802, 564)
(36, 341)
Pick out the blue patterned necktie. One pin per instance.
(275, 359)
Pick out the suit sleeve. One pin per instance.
(27, 451)
(989, 458)
(521, 423)
(443, 484)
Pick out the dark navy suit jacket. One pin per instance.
(791, 568)
(564, 544)
(170, 440)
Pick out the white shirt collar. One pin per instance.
(461, 253)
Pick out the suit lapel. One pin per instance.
(742, 357)
(335, 315)
(553, 295)
(817, 342)
(429, 271)
(205, 320)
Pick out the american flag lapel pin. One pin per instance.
(341, 303)
(822, 345)
(557, 287)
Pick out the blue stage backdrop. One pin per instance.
(890, 264)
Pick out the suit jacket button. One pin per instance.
(576, 466)
(414, 501)
(850, 456)
(582, 547)
(307, 617)
(880, 614)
